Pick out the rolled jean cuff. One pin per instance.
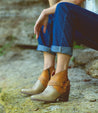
(45, 49)
(61, 49)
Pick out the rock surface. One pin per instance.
(92, 68)
(17, 19)
(87, 59)
(85, 56)
(21, 68)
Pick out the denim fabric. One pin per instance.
(69, 23)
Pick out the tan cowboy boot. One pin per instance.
(41, 83)
(58, 88)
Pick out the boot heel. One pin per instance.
(65, 96)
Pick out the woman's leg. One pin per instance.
(49, 60)
(72, 23)
(62, 38)
(59, 84)
(44, 44)
(62, 62)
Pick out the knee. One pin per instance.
(63, 7)
(62, 10)
(61, 4)
(64, 4)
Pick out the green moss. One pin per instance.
(15, 102)
(0, 90)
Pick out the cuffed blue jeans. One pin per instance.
(69, 23)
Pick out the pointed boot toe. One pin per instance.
(47, 95)
(41, 83)
(58, 89)
(37, 88)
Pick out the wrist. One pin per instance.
(44, 12)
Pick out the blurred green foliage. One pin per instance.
(0, 90)
(4, 49)
(76, 46)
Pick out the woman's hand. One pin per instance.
(41, 21)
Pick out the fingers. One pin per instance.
(44, 29)
(37, 30)
(37, 33)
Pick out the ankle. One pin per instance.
(47, 66)
(61, 69)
